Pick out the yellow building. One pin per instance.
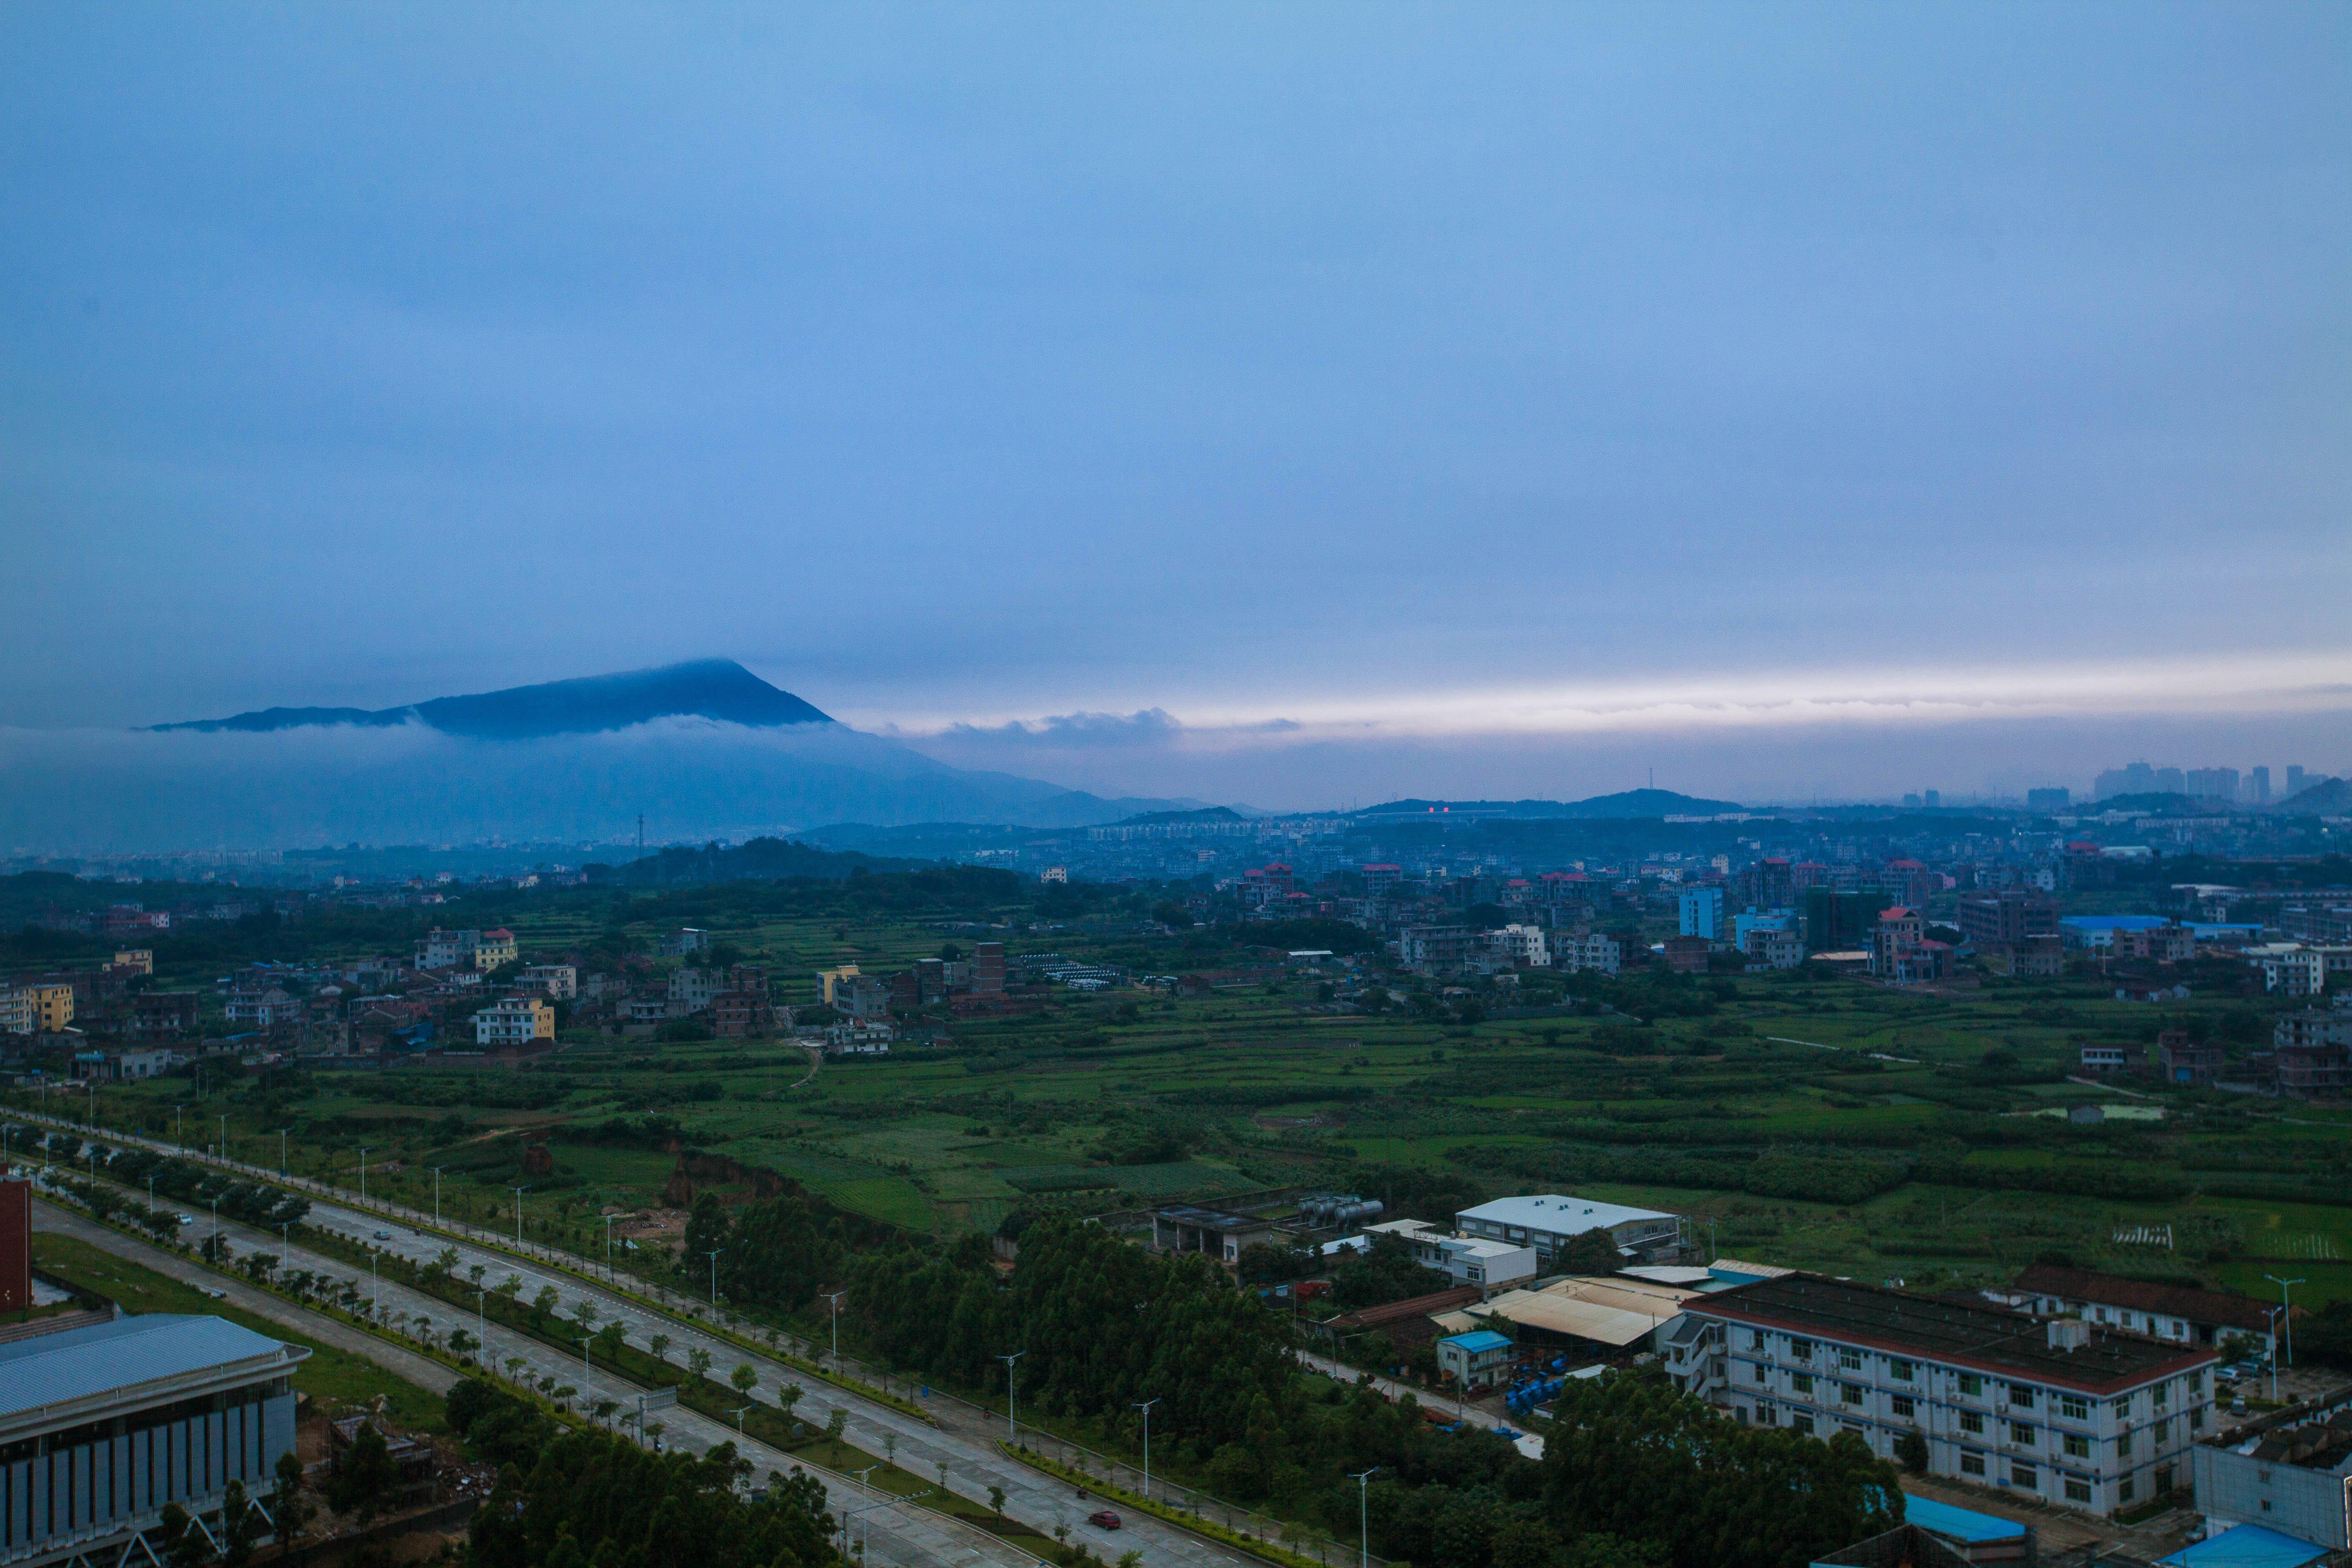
(826, 977)
(514, 1021)
(142, 959)
(52, 1005)
(493, 948)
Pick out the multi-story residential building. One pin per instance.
(263, 1007)
(2182, 1061)
(17, 1015)
(560, 981)
(2073, 1415)
(2112, 1058)
(1549, 1222)
(482, 950)
(1439, 950)
(1997, 922)
(1520, 946)
(165, 1013)
(1599, 952)
(1701, 912)
(690, 940)
(987, 968)
(692, 989)
(514, 1021)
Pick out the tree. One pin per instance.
(996, 1501)
(1911, 1448)
(1591, 1252)
(286, 1504)
(659, 1345)
(363, 1481)
(241, 1526)
(697, 1362)
(836, 1424)
(544, 1305)
(184, 1543)
(744, 1377)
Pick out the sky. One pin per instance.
(1282, 404)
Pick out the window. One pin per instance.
(2025, 1476)
(2077, 1492)
(1900, 1370)
(1802, 1350)
(1972, 1421)
(2156, 1432)
(2123, 1445)
(1756, 1339)
(2123, 1405)
(1849, 1394)
(1801, 1424)
(1767, 1416)
(2196, 1419)
(2163, 1393)
(1972, 1464)
(1971, 1385)
(1850, 1360)
(2020, 1434)
(2197, 1381)
(1904, 1406)
(2077, 1447)
(2021, 1397)
(2124, 1490)
(2074, 1407)
(1801, 1381)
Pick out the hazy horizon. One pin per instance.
(1281, 409)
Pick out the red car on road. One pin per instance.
(1103, 1518)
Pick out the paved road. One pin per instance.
(965, 1440)
(1528, 1443)
(899, 1534)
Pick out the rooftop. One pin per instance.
(1210, 1219)
(1988, 1339)
(2145, 1296)
(1482, 1339)
(76, 1363)
(1560, 1214)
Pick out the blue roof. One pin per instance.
(2248, 1546)
(2115, 922)
(74, 1363)
(1959, 1523)
(1482, 1339)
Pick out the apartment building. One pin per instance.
(514, 1021)
(2076, 1415)
(481, 949)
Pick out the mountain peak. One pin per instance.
(716, 689)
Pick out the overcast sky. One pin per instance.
(1474, 399)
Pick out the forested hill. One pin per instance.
(766, 859)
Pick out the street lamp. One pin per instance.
(608, 1244)
(281, 1151)
(1145, 1405)
(1363, 1517)
(713, 1256)
(224, 1122)
(176, 1128)
(835, 1297)
(436, 1198)
(482, 1322)
(363, 1155)
(519, 1193)
(2286, 1311)
(739, 1424)
(2273, 1314)
(1011, 1416)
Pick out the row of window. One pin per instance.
(2072, 1406)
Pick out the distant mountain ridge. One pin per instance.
(1625, 803)
(716, 689)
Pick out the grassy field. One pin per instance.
(1819, 1123)
(334, 1377)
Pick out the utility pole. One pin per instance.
(2286, 1314)
(1012, 1414)
(713, 1256)
(1145, 1405)
(519, 1193)
(835, 1298)
(1363, 1517)
(224, 1122)
(363, 1155)
(281, 1151)
(436, 1198)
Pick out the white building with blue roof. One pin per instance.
(103, 1427)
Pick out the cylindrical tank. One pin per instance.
(1372, 1208)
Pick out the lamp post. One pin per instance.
(363, 1155)
(436, 1198)
(2286, 1312)
(1145, 1405)
(608, 1244)
(482, 1322)
(224, 1122)
(519, 1193)
(1363, 1517)
(1011, 1415)
(713, 1256)
(834, 1298)
(2273, 1314)
(176, 1127)
(281, 1151)
(739, 1424)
